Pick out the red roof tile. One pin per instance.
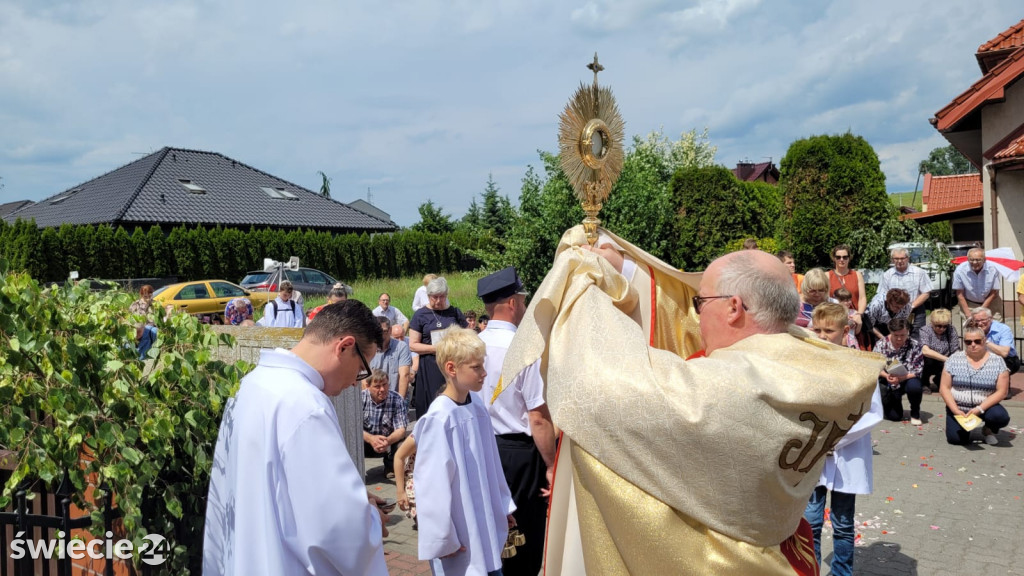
(1012, 37)
(1014, 149)
(944, 192)
(991, 88)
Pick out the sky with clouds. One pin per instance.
(423, 99)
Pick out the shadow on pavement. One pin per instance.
(881, 559)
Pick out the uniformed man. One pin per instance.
(521, 420)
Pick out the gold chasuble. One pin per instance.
(672, 466)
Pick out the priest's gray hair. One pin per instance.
(437, 286)
(770, 298)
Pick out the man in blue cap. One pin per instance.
(521, 420)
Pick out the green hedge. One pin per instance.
(195, 253)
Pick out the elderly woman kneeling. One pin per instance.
(974, 382)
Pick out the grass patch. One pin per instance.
(461, 293)
(906, 199)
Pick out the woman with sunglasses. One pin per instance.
(842, 276)
(938, 341)
(974, 381)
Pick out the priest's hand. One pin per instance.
(609, 253)
(511, 521)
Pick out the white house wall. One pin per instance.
(998, 121)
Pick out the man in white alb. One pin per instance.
(285, 497)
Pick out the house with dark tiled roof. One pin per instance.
(364, 206)
(175, 186)
(986, 124)
(760, 172)
(12, 207)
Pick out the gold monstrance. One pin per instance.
(590, 138)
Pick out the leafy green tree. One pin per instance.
(433, 220)
(715, 209)
(832, 187)
(473, 216)
(946, 161)
(76, 401)
(497, 214)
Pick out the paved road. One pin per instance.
(941, 509)
(936, 509)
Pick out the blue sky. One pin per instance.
(422, 99)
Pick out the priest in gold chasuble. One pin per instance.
(674, 466)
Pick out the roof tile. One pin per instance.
(1014, 149)
(150, 191)
(1012, 37)
(942, 192)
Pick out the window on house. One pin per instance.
(60, 199)
(278, 193)
(192, 187)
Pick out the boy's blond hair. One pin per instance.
(459, 345)
(830, 314)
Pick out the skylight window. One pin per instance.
(278, 193)
(192, 187)
(60, 199)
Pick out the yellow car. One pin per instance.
(207, 296)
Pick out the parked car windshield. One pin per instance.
(255, 278)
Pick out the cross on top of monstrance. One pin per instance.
(590, 133)
(596, 67)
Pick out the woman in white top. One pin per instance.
(419, 299)
(974, 382)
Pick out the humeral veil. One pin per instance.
(674, 466)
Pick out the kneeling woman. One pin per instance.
(898, 346)
(974, 381)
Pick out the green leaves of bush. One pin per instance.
(74, 398)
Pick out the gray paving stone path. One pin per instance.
(936, 508)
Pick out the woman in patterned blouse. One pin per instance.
(938, 341)
(974, 381)
(899, 347)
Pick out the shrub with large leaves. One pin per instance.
(74, 398)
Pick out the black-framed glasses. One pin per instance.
(366, 372)
(842, 256)
(698, 301)
(940, 326)
(969, 341)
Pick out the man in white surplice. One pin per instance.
(285, 496)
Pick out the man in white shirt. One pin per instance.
(392, 313)
(977, 282)
(285, 497)
(914, 280)
(283, 311)
(520, 417)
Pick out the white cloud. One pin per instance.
(423, 99)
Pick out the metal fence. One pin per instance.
(37, 514)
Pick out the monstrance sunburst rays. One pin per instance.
(590, 134)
